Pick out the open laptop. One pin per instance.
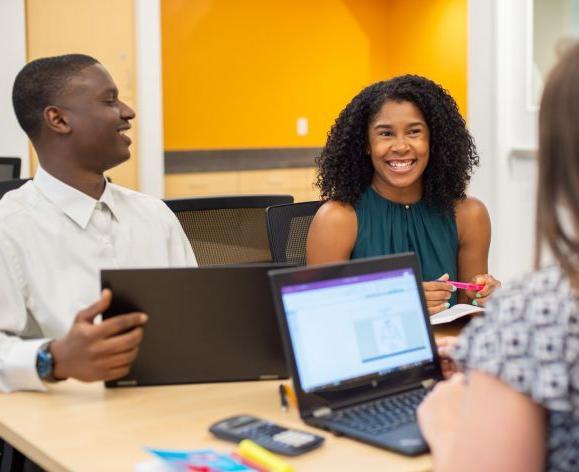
(360, 346)
(207, 324)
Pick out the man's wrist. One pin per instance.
(46, 363)
(54, 348)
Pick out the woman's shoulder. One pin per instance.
(335, 218)
(471, 210)
(472, 220)
(335, 211)
(332, 233)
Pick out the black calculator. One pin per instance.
(276, 438)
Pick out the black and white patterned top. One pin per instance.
(529, 339)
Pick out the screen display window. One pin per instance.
(348, 328)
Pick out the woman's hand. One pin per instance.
(481, 297)
(445, 345)
(439, 412)
(437, 294)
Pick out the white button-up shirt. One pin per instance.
(54, 240)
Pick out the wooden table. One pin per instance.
(85, 427)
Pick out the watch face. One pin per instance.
(44, 364)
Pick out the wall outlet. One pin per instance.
(302, 126)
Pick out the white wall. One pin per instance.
(503, 125)
(150, 97)
(13, 141)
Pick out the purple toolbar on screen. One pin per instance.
(354, 279)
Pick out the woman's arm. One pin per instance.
(474, 239)
(483, 425)
(332, 234)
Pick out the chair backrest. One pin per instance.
(7, 185)
(287, 230)
(227, 229)
(9, 168)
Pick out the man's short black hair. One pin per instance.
(39, 82)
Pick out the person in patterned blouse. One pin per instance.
(516, 406)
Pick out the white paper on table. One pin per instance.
(457, 311)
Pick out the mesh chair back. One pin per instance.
(228, 229)
(7, 185)
(287, 230)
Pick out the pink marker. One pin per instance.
(465, 286)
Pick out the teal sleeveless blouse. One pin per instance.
(386, 227)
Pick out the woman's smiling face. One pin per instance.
(398, 141)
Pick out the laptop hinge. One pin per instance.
(321, 412)
(127, 383)
(428, 383)
(268, 377)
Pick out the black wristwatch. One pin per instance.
(45, 363)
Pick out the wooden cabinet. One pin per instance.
(295, 181)
(200, 183)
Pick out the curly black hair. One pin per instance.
(345, 169)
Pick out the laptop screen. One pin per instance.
(345, 329)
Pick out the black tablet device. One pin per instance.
(207, 324)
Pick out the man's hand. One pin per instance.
(91, 352)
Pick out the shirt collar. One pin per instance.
(76, 205)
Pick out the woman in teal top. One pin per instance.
(393, 173)
(385, 227)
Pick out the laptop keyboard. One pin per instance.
(382, 415)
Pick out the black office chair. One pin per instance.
(7, 185)
(227, 229)
(9, 168)
(13, 460)
(287, 230)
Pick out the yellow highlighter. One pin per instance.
(262, 457)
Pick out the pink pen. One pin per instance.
(465, 286)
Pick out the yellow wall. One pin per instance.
(238, 74)
(431, 41)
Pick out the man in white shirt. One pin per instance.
(58, 230)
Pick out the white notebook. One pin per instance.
(457, 311)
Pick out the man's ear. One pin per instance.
(56, 120)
